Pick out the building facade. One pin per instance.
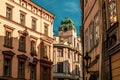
(111, 41)
(109, 38)
(26, 41)
(91, 32)
(67, 53)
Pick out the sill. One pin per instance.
(22, 50)
(8, 46)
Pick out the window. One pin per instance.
(33, 45)
(69, 53)
(76, 69)
(33, 24)
(7, 67)
(9, 13)
(8, 39)
(60, 67)
(45, 51)
(60, 52)
(91, 35)
(65, 29)
(33, 72)
(46, 30)
(46, 74)
(112, 12)
(22, 19)
(21, 69)
(22, 43)
(96, 29)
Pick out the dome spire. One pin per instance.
(67, 22)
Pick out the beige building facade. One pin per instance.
(26, 41)
(67, 53)
(92, 38)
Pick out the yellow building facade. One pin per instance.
(26, 41)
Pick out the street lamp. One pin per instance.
(87, 59)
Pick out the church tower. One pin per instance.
(67, 32)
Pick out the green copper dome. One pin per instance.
(67, 22)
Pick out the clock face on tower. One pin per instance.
(65, 29)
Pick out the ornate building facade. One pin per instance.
(26, 41)
(67, 53)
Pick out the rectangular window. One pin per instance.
(46, 30)
(45, 51)
(7, 67)
(91, 35)
(33, 72)
(22, 43)
(21, 69)
(33, 45)
(8, 39)
(9, 13)
(60, 67)
(60, 52)
(96, 29)
(69, 53)
(22, 19)
(33, 24)
(46, 75)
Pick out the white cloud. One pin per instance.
(71, 7)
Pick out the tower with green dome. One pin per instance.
(67, 32)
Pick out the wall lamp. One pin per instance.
(87, 58)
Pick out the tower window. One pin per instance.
(65, 29)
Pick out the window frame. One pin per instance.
(96, 28)
(60, 67)
(33, 26)
(8, 40)
(60, 52)
(20, 49)
(46, 29)
(10, 30)
(33, 67)
(11, 12)
(10, 67)
(91, 34)
(23, 74)
(33, 47)
(24, 18)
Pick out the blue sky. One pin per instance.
(62, 9)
